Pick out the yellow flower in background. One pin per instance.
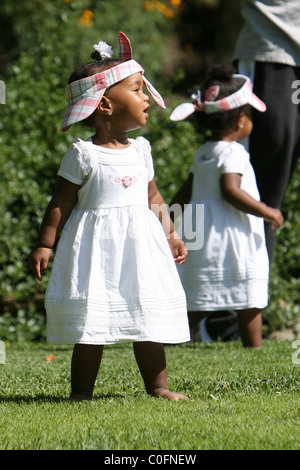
(148, 6)
(176, 3)
(86, 18)
(162, 8)
(169, 13)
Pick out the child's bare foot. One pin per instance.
(165, 393)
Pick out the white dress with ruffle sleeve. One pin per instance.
(114, 278)
(227, 267)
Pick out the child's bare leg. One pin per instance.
(151, 360)
(250, 324)
(86, 360)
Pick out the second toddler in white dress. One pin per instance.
(231, 269)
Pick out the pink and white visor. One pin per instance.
(84, 95)
(210, 105)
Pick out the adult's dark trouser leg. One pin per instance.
(275, 139)
(85, 364)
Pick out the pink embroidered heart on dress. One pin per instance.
(127, 181)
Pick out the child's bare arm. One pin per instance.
(56, 215)
(184, 194)
(240, 199)
(159, 207)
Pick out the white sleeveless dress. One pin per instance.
(113, 277)
(227, 267)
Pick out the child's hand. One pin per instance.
(178, 248)
(38, 260)
(275, 216)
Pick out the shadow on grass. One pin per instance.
(27, 399)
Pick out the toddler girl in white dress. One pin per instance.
(230, 271)
(114, 278)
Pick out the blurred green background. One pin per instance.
(41, 42)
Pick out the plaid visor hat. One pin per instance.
(242, 96)
(84, 95)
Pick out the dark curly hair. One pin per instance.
(220, 122)
(98, 65)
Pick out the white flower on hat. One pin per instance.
(104, 49)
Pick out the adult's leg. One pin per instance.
(151, 361)
(250, 324)
(85, 364)
(275, 139)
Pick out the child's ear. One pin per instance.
(104, 107)
(241, 120)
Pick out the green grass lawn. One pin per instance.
(238, 399)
